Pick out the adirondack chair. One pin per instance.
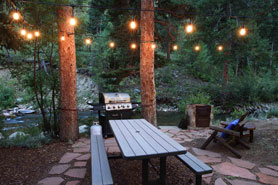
(234, 136)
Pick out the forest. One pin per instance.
(243, 72)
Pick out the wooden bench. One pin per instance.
(101, 173)
(246, 127)
(194, 164)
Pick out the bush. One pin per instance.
(7, 94)
(272, 113)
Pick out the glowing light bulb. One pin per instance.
(189, 28)
(73, 21)
(37, 33)
(16, 16)
(133, 25)
(153, 46)
(29, 36)
(111, 44)
(88, 41)
(175, 47)
(197, 48)
(23, 32)
(133, 46)
(63, 38)
(242, 31)
(220, 48)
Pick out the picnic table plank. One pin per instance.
(96, 178)
(124, 146)
(156, 145)
(164, 137)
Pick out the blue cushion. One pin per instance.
(231, 126)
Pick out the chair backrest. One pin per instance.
(241, 123)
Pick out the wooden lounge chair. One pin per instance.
(234, 136)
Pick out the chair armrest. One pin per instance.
(220, 129)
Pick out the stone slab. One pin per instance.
(114, 150)
(80, 164)
(267, 179)
(81, 150)
(58, 169)
(228, 168)
(273, 167)
(84, 157)
(51, 181)
(79, 144)
(219, 181)
(68, 157)
(73, 183)
(242, 182)
(76, 173)
(198, 151)
(268, 171)
(207, 159)
(242, 163)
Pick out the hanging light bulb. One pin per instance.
(63, 38)
(37, 33)
(23, 32)
(73, 21)
(29, 36)
(197, 48)
(133, 25)
(133, 46)
(16, 15)
(189, 28)
(88, 41)
(220, 48)
(242, 31)
(111, 44)
(153, 46)
(175, 47)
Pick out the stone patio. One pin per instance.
(72, 167)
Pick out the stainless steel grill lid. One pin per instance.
(108, 98)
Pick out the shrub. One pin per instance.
(7, 94)
(273, 112)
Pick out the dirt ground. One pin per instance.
(21, 166)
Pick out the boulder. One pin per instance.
(1, 136)
(83, 129)
(17, 134)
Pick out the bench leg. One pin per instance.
(198, 180)
(163, 170)
(251, 136)
(145, 171)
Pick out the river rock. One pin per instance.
(17, 134)
(1, 136)
(26, 111)
(83, 129)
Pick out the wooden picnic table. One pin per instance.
(140, 140)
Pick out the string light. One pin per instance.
(220, 48)
(73, 21)
(88, 41)
(175, 47)
(23, 32)
(63, 38)
(29, 36)
(111, 44)
(133, 25)
(189, 28)
(197, 48)
(16, 15)
(242, 31)
(153, 46)
(37, 33)
(133, 46)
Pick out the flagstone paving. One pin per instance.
(72, 167)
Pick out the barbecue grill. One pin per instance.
(113, 106)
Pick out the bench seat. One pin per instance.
(195, 165)
(101, 173)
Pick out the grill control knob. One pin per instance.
(114, 107)
(108, 107)
(123, 106)
(119, 106)
(127, 106)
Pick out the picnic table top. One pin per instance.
(138, 139)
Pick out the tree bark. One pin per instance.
(226, 71)
(68, 102)
(147, 62)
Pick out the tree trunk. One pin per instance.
(226, 72)
(147, 62)
(68, 103)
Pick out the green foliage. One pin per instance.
(272, 113)
(237, 114)
(7, 94)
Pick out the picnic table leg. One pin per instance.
(145, 171)
(163, 170)
(198, 180)
(251, 133)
